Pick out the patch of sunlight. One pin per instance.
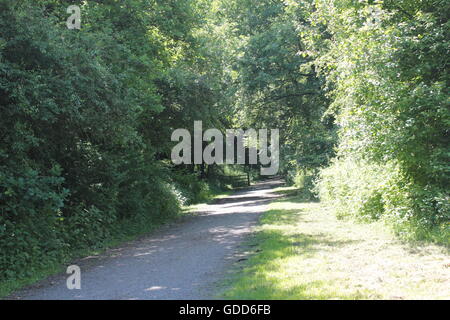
(284, 190)
(198, 207)
(153, 288)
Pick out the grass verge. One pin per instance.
(302, 251)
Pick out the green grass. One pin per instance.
(301, 251)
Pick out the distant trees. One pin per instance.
(276, 83)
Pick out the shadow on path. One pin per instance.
(180, 261)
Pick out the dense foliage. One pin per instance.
(373, 72)
(86, 122)
(388, 65)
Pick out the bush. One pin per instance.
(189, 188)
(368, 191)
(304, 180)
(354, 188)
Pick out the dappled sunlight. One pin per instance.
(301, 251)
(179, 259)
(153, 288)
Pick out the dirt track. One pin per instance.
(185, 260)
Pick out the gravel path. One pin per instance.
(185, 260)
